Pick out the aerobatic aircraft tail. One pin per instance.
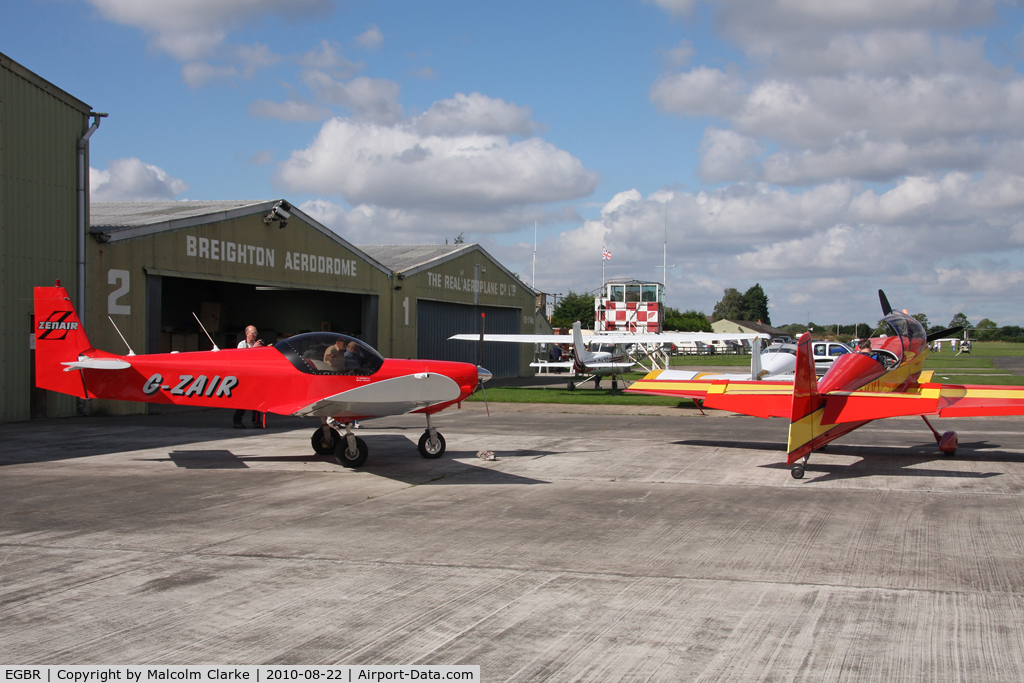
(805, 417)
(59, 338)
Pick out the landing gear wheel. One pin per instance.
(320, 446)
(431, 449)
(348, 458)
(798, 471)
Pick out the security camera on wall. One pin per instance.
(281, 211)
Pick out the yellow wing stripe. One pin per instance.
(754, 388)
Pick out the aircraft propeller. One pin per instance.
(942, 334)
(886, 308)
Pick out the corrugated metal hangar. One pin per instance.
(44, 158)
(157, 269)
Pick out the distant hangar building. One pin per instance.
(155, 267)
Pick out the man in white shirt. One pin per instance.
(259, 420)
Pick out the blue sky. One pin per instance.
(823, 150)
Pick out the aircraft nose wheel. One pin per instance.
(431, 448)
(797, 471)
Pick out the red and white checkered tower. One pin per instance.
(629, 306)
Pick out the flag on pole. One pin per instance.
(605, 255)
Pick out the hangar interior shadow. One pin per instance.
(275, 312)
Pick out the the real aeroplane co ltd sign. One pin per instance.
(470, 285)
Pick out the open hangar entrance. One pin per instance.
(226, 308)
(438, 320)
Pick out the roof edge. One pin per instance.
(43, 84)
(473, 246)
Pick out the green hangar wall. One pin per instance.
(40, 128)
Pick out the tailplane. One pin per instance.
(60, 338)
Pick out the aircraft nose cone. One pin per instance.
(483, 374)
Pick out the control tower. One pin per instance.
(627, 305)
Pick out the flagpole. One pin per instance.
(535, 255)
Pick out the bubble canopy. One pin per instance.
(900, 336)
(329, 353)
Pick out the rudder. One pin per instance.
(59, 338)
(806, 402)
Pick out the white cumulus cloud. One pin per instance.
(131, 180)
(395, 166)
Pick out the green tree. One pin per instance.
(960, 320)
(921, 318)
(986, 330)
(730, 307)
(574, 307)
(755, 304)
(687, 321)
(751, 306)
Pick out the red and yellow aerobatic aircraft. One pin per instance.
(883, 379)
(318, 374)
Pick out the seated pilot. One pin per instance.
(865, 348)
(351, 356)
(335, 357)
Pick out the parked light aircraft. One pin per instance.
(883, 379)
(781, 357)
(610, 358)
(293, 377)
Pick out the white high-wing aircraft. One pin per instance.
(610, 359)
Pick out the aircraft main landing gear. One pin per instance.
(948, 441)
(352, 451)
(348, 450)
(325, 440)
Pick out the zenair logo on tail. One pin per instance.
(55, 324)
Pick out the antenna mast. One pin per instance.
(664, 261)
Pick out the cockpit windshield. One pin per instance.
(328, 353)
(897, 339)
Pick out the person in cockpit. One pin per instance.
(865, 348)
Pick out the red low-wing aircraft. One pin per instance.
(884, 379)
(293, 377)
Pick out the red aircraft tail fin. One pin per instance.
(806, 402)
(60, 338)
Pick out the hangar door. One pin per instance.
(438, 320)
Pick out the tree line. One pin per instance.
(752, 306)
(580, 307)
